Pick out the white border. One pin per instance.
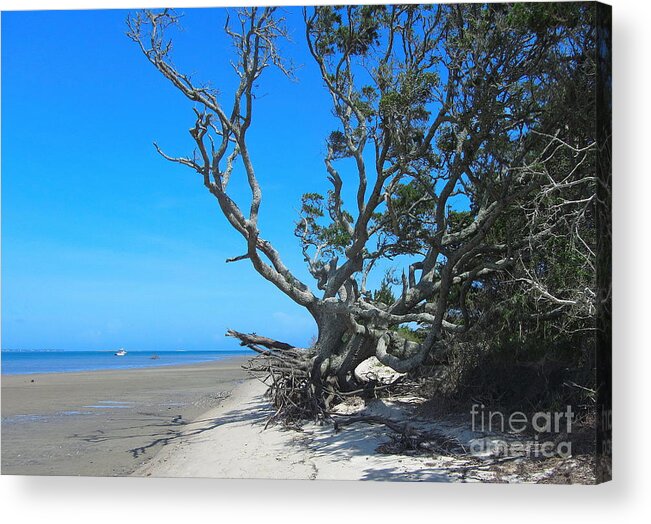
(111, 500)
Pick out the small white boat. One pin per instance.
(120, 352)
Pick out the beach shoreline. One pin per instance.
(210, 420)
(107, 422)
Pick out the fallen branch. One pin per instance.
(256, 340)
(409, 438)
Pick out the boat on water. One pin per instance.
(120, 352)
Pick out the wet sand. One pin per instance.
(105, 423)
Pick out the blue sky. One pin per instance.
(106, 244)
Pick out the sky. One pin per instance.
(106, 244)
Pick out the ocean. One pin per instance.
(23, 362)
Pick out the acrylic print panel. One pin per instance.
(398, 216)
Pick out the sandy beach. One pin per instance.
(105, 423)
(210, 420)
(233, 440)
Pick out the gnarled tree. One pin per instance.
(454, 140)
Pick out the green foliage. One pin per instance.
(413, 335)
(334, 237)
(516, 74)
(337, 142)
(414, 92)
(541, 17)
(312, 205)
(384, 294)
(459, 219)
(348, 29)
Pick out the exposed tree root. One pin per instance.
(287, 371)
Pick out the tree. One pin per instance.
(453, 130)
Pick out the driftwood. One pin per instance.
(252, 339)
(407, 437)
(285, 369)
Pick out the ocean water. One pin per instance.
(22, 362)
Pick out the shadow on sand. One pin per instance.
(161, 431)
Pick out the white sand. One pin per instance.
(230, 442)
